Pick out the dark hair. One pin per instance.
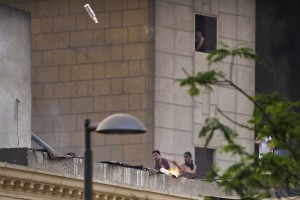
(188, 154)
(156, 151)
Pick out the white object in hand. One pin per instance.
(90, 12)
(165, 171)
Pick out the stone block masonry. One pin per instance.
(85, 70)
(179, 117)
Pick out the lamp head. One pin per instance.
(121, 124)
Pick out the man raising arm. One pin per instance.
(160, 162)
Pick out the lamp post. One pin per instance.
(114, 124)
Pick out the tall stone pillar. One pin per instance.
(15, 78)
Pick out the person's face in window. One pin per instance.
(199, 34)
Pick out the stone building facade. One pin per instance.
(129, 62)
(85, 70)
(178, 117)
(15, 78)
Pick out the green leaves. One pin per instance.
(218, 55)
(205, 79)
(243, 52)
(273, 115)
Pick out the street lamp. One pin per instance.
(114, 124)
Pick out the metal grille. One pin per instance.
(204, 159)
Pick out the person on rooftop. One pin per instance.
(160, 162)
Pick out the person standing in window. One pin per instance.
(199, 41)
(264, 145)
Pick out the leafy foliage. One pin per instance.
(224, 52)
(204, 79)
(253, 177)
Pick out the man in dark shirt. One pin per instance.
(160, 162)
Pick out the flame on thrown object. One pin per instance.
(175, 172)
(171, 172)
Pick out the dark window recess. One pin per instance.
(204, 159)
(208, 27)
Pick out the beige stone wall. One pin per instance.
(85, 70)
(15, 82)
(178, 117)
(174, 37)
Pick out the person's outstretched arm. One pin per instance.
(171, 160)
(200, 43)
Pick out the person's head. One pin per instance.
(156, 155)
(199, 33)
(187, 157)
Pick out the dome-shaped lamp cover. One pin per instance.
(121, 124)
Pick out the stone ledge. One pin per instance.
(23, 181)
(65, 177)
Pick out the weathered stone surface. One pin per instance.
(128, 176)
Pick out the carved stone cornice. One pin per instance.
(38, 187)
(52, 190)
(18, 179)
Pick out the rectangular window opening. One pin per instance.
(205, 33)
(204, 159)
